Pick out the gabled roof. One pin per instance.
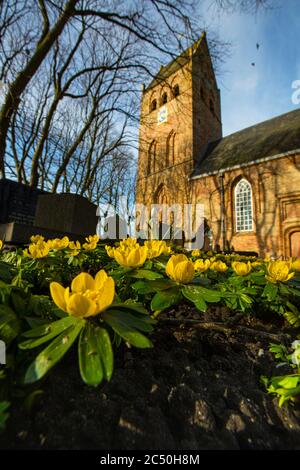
(269, 138)
(176, 64)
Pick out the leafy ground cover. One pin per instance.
(186, 335)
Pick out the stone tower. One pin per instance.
(180, 116)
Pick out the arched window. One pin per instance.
(151, 157)
(211, 106)
(164, 98)
(176, 91)
(243, 206)
(153, 105)
(170, 149)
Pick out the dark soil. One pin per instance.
(196, 389)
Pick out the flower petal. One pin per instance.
(83, 282)
(58, 295)
(80, 306)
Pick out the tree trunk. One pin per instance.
(16, 88)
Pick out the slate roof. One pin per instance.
(275, 136)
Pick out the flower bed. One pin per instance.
(97, 302)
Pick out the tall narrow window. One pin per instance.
(170, 149)
(164, 98)
(151, 157)
(176, 91)
(243, 206)
(153, 105)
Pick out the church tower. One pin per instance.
(180, 116)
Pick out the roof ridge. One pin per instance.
(261, 122)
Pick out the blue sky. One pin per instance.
(251, 94)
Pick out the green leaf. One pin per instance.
(47, 332)
(292, 318)
(201, 305)
(9, 324)
(145, 274)
(156, 285)
(270, 291)
(5, 272)
(90, 365)
(143, 323)
(126, 326)
(4, 405)
(166, 298)
(129, 305)
(105, 351)
(53, 353)
(196, 293)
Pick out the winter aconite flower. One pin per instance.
(240, 268)
(1, 244)
(110, 251)
(91, 242)
(202, 265)
(180, 269)
(75, 248)
(37, 250)
(295, 266)
(156, 248)
(58, 243)
(218, 266)
(196, 253)
(36, 238)
(131, 257)
(87, 297)
(278, 271)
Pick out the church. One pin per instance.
(248, 182)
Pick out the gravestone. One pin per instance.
(17, 202)
(68, 213)
(26, 211)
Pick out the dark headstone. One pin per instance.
(17, 202)
(68, 213)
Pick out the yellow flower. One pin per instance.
(218, 266)
(180, 269)
(196, 253)
(36, 238)
(295, 265)
(37, 250)
(87, 297)
(89, 246)
(278, 271)
(75, 248)
(254, 264)
(1, 244)
(128, 243)
(74, 245)
(93, 239)
(131, 257)
(58, 243)
(110, 251)
(240, 268)
(156, 248)
(202, 265)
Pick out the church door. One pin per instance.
(295, 244)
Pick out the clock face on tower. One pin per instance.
(162, 115)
